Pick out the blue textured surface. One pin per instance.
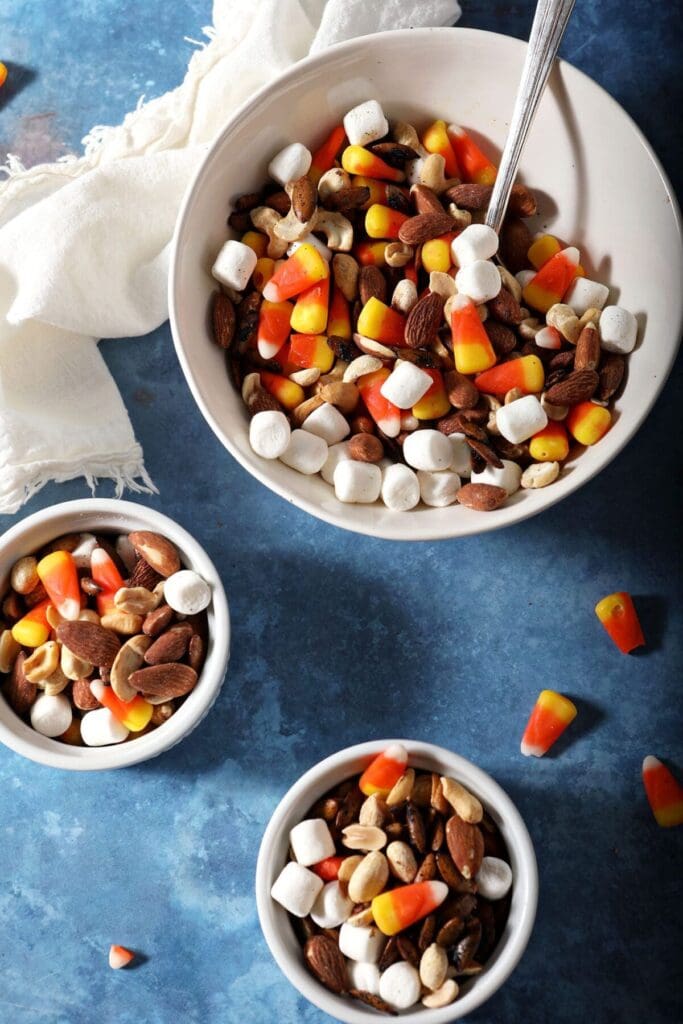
(339, 639)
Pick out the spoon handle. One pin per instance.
(550, 21)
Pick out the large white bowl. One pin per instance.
(274, 851)
(600, 187)
(103, 515)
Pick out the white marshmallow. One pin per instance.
(405, 385)
(306, 452)
(360, 943)
(461, 461)
(409, 422)
(400, 985)
(269, 433)
(508, 477)
(400, 488)
(524, 276)
(327, 422)
(296, 889)
(548, 337)
(82, 553)
(479, 280)
(364, 977)
(585, 294)
(234, 265)
(428, 450)
(476, 242)
(494, 878)
(357, 482)
(332, 906)
(290, 164)
(365, 123)
(311, 841)
(186, 592)
(438, 489)
(336, 453)
(518, 420)
(126, 551)
(100, 728)
(618, 330)
(313, 240)
(51, 715)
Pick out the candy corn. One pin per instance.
(386, 415)
(383, 222)
(107, 576)
(664, 793)
(549, 285)
(370, 253)
(3, 74)
(474, 165)
(309, 350)
(435, 140)
(382, 774)
(410, 272)
(550, 444)
(134, 714)
(619, 617)
(339, 316)
(378, 190)
(273, 327)
(34, 629)
(472, 348)
(381, 323)
(400, 908)
(59, 576)
(310, 311)
(542, 249)
(551, 715)
(119, 957)
(434, 403)
(286, 391)
(256, 241)
(328, 869)
(304, 268)
(357, 160)
(436, 253)
(324, 158)
(526, 373)
(588, 422)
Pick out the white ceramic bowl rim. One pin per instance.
(84, 515)
(515, 834)
(406, 526)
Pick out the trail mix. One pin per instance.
(382, 335)
(398, 886)
(103, 636)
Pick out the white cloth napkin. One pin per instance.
(84, 242)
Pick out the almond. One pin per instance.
(503, 339)
(420, 229)
(82, 695)
(304, 196)
(369, 878)
(424, 320)
(426, 200)
(163, 682)
(20, 693)
(461, 391)
(170, 646)
(279, 201)
(579, 386)
(416, 828)
(325, 960)
(223, 319)
(195, 652)
(515, 240)
(347, 199)
(587, 354)
(427, 869)
(366, 448)
(143, 575)
(396, 154)
(372, 284)
(156, 551)
(611, 375)
(376, 1002)
(465, 845)
(157, 621)
(505, 308)
(89, 641)
(477, 197)
(482, 497)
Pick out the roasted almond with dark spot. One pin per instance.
(20, 693)
(465, 841)
(504, 307)
(326, 961)
(163, 682)
(579, 386)
(82, 695)
(143, 575)
(372, 284)
(482, 497)
(503, 339)
(587, 353)
(156, 551)
(223, 319)
(477, 197)
(376, 1002)
(515, 240)
(611, 375)
(393, 153)
(425, 226)
(157, 621)
(304, 196)
(424, 320)
(170, 646)
(461, 391)
(366, 448)
(426, 200)
(90, 641)
(347, 199)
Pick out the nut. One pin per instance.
(438, 800)
(160, 683)
(404, 296)
(304, 198)
(334, 180)
(369, 878)
(158, 552)
(432, 173)
(266, 220)
(579, 386)
(157, 621)
(529, 328)
(505, 308)
(337, 229)
(347, 867)
(565, 320)
(444, 996)
(128, 660)
(346, 271)
(366, 448)
(72, 666)
(360, 366)
(170, 646)
(462, 801)
(20, 693)
(92, 642)
(24, 575)
(611, 375)
(83, 697)
(325, 960)
(402, 788)
(510, 282)
(55, 683)
(397, 254)
(482, 497)
(124, 623)
(42, 663)
(433, 967)
(423, 227)
(465, 845)
(372, 284)
(587, 355)
(162, 713)
(342, 394)
(553, 412)
(305, 408)
(223, 319)
(441, 284)
(461, 391)
(425, 199)
(9, 651)
(363, 837)
(402, 863)
(540, 474)
(424, 320)
(137, 600)
(305, 377)
(461, 218)
(373, 811)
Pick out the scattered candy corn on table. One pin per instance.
(339, 639)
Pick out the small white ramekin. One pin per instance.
(103, 515)
(273, 854)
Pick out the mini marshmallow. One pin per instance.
(332, 906)
(234, 265)
(364, 977)
(409, 422)
(518, 420)
(476, 242)
(359, 943)
(508, 477)
(548, 337)
(311, 841)
(428, 450)
(365, 123)
(84, 549)
(100, 728)
(524, 276)
(618, 330)
(438, 489)
(357, 482)
(406, 385)
(585, 294)
(290, 164)
(480, 281)
(336, 453)
(306, 452)
(400, 985)
(313, 240)
(461, 461)
(296, 889)
(494, 878)
(327, 422)
(186, 592)
(400, 488)
(269, 433)
(51, 715)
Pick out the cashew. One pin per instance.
(338, 230)
(305, 377)
(432, 174)
(529, 328)
(333, 181)
(444, 996)
(291, 229)
(510, 282)
(441, 284)
(565, 320)
(72, 666)
(55, 683)
(360, 366)
(405, 296)
(265, 220)
(345, 270)
(128, 660)
(554, 412)
(462, 218)
(540, 474)
(407, 136)
(397, 254)
(512, 395)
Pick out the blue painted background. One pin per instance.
(448, 642)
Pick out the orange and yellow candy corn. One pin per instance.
(105, 574)
(381, 323)
(386, 415)
(310, 312)
(378, 190)
(134, 714)
(664, 793)
(383, 222)
(587, 422)
(256, 241)
(311, 350)
(550, 283)
(472, 349)
(339, 316)
(357, 160)
(273, 327)
(400, 908)
(324, 157)
(410, 272)
(526, 373)
(436, 253)
(263, 271)
(288, 393)
(434, 403)
(474, 165)
(328, 869)
(382, 774)
(3, 74)
(370, 254)
(119, 957)
(550, 444)
(542, 249)
(59, 576)
(34, 629)
(435, 140)
(551, 715)
(305, 267)
(618, 615)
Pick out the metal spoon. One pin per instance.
(550, 21)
